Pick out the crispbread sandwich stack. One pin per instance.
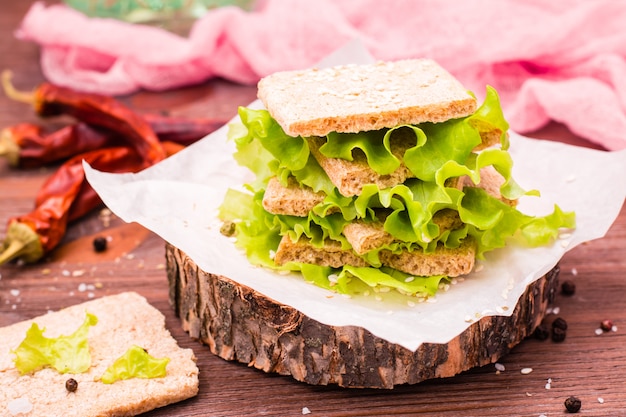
(377, 177)
(123, 321)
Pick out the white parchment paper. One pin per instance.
(178, 199)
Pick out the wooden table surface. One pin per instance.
(585, 365)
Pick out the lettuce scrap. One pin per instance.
(63, 353)
(441, 153)
(135, 363)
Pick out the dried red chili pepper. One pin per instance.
(64, 197)
(182, 130)
(94, 109)
(27, 145)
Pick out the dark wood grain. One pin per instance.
(585, 365)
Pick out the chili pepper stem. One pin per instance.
(12, 92)
(12, 251)
(8, 148)
(21, 242)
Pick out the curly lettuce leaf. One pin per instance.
(135, 363)
(63, 353)
(265, 149)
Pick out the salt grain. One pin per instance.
(15, 292)
(21, 405)
(601, 400)
(599, 331)
(305, 411)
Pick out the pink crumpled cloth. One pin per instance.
(562, 60)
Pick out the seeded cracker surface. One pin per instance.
(123, 320)
(354, 98)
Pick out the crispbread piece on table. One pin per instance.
(452, 262)
(355, 98)
(124, 320)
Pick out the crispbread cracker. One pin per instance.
(123, 320)
(350, 176)
(355, 98)
(292, 200)
(452, 262)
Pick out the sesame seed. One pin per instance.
(526, 371)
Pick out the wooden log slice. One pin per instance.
(237, 323)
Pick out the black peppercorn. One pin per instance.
(572, 404)
(568, 288)
(541, 332)
(100, 244)
(71, 385)
(559, 323)
(558, 334)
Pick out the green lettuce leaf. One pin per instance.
(265, 149)
(63, 353)
(135, 363)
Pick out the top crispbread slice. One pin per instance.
(355, 98)
(124, 320)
